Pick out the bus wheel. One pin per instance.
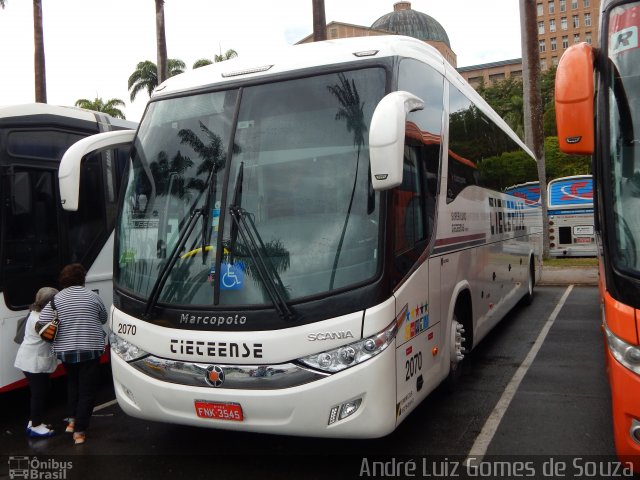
(457, 352)
(531, 282)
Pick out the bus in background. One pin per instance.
(614, 141)
(529, 192)
(38, 237)
(570, 211)
(309, 244)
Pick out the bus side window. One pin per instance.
(408, 211)
(30, 255)
(414, 201)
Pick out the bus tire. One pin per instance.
(460, 342)
(531, 283)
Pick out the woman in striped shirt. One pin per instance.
(79, 344)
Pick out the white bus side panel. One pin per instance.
(419, 349)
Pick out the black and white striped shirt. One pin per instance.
(81, 313)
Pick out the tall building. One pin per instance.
(561, 23)
(402, 21)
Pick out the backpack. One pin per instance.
(20, 328)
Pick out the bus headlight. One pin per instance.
(340, 358)
(628, 355)
(125, 350)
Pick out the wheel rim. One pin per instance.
(457, 343)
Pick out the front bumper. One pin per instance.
(302, 410)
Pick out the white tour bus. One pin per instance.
(37, 237)
(570, 210)
(309, 243)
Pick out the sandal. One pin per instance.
(79, 438)
(70, 426)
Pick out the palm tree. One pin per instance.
(161, 44)
(229, 54)
(98, 105)
(319, 21)
(145, 76)
(201, 63)
(38, 58)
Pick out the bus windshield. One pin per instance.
(624, 110)
(289, 159)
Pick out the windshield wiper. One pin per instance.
(164, 273)
(207, 213)
(244, 225)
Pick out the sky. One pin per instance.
(93, 46)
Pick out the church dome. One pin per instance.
(404, 21)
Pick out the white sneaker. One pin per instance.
(40, 431)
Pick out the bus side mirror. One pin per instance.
(69, 171)
(386, 138)
(574, 98)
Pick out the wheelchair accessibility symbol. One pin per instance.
(232, 276)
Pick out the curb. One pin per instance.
(569, 276)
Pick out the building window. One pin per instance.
(552, 7)
(565, 41)
(574, 4)
(540, 28)
(587, 19)
(554, 44)
(543, 64)
(541, 46)
(475, 81)
(496, 77)
(576, 38)
(576, 21)
(563, 23)
(552, 25)
(587, 3)
(516, 74)
(587, 37)
(540, 10)
(334, 33)
(554, 61)
(563, 5)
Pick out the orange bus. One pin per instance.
(598, 113)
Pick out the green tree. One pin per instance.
(506, 98)
(562, 165)
(229, 54)
(145, 76)
(201, 63)
(110, 107)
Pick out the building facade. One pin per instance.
(493, 72)
(562, 23)
(403, 20)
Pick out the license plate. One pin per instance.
(583, 240)
(219, 411)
